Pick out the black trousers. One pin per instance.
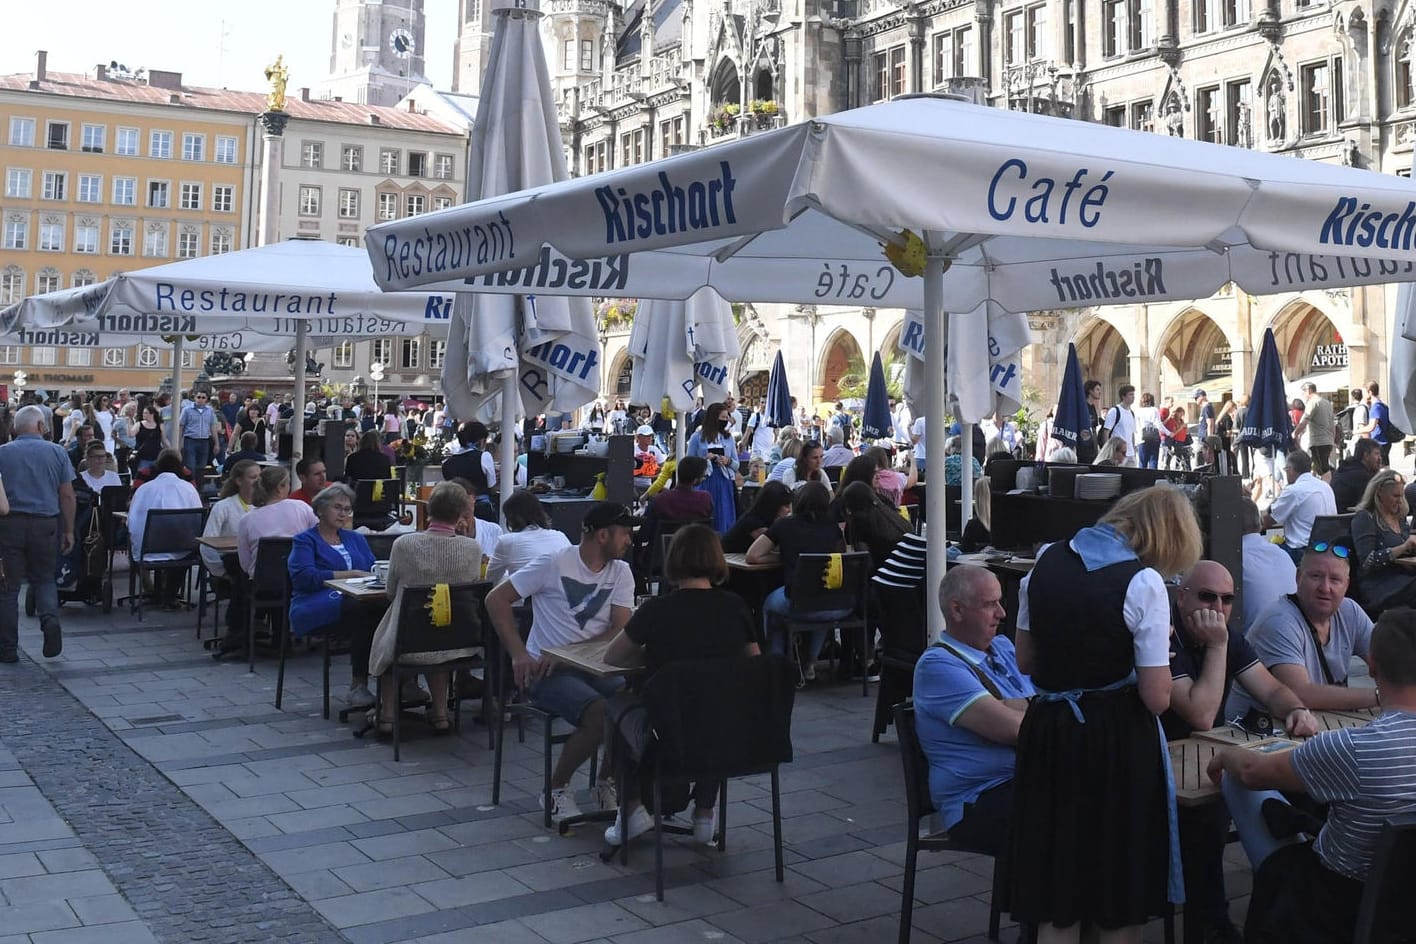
(985, 823)
(1203, 830)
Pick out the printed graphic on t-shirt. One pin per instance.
(585, 599)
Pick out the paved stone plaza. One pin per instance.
(148, 793)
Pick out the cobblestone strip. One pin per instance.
(183, 873)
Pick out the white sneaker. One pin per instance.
(562, 805)
(640, 822)
(359, 696)
(607, 796)
(703, 829)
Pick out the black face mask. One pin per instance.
(724, 424)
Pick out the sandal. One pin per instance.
(441, 725)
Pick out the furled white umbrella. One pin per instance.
(1027, 211)
(539, 352)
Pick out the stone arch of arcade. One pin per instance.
(838, 354)
(1195, 351)
(621, 375)
(1311, 346)
(1103, 354)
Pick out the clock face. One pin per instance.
(401, 42)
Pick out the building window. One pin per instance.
(443, 166)
(442, 203)
(437, 355)
(193, 147)
(417, 164)
(1014, 35)
(93, 138)
(1115, 116)
(225, 152)
(191, 197)
(889, 73)
(90, 188)
(568, 56)
(48, 280)
(351, 241)
(21, 132)
(19, 182)
(1322, 96)
(312, 154)
(12, 285)
(17, 232)
(115, 357)
(125, 191)
(125, 142)
(1113, 27)
(344, 354)
(86, 238)
(9, 354)
(309, 201)
(1208, 122)
(1140, 15)
(348, 204)
(189, 244)
(415, 204)
(120, 239)
(51, 235)
(587, 55)
(223, 198)
(1239, 113)
(79, 356)
(410, 353)
(351, 158)
(381, 351)
(189, 359)
(43, 356)
(1402, 82)
(83, 277)
(388, 161)
(1142, 116)
(147, 356)
(155, 241)
(221, 242)
(388, 206)
(1236, 12)
(160, 144)
(55, 182)
(953, 53)
(159, 194)
(56, 134)
(1069, 31)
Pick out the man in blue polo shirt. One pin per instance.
(198, 427)
(38, 481)
(969, 698)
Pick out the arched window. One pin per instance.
(12, 285)
(1401, 83)
(83, 277)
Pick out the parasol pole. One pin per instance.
(297, 422)
(936, 500)
(507, 475)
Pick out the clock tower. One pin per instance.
(377, 52)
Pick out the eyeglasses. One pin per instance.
(1338, 550)
(1209, 596)
(341, 509)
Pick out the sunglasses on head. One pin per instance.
(1209, 596)
(1338, 550)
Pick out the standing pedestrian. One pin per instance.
(35, 530)
(1320, 425)
(197, 425)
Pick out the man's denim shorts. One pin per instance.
(568, 692)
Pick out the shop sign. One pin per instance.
(1329, 356)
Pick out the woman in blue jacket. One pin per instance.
(328, 551)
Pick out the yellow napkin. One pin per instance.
(439, 605)
(378, 490)
(832, 577)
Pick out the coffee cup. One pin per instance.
(380, 571)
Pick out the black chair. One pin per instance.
(111, 500)
(714, 720)
(1388, 913)
(417, 634)
(900, 614)
(268, 591)
(167, 531)
(376, 514)
(381, 544)
(809, 598)
(659, 538)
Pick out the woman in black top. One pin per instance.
(150, 438)
(368, 463)
(696, 621)
(773, 501)
(978, 532)
(251, 421)
(869, 524)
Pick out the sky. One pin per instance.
(212, 43)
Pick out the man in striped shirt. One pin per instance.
(1311, 890)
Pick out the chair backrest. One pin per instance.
(171, 531)
(715, 718)
(381, 544)
(809, 593)
(417, 632)
(833, 474)
(364, 503)
(915, 763)
(1332, 528)
(111, 499)
(271, 580)
(1388, 911)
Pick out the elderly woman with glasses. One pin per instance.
(1385, 547)
(328, 551)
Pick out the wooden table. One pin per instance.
(221, 543)
(753, 582)
(588, 657)
(739, 562)
(1327, 721)
(1189, 759)
(1366, 714)
(358, 588)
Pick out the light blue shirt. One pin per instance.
(196, 421)
(33, 469)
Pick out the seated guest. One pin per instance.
(233, 504)
(312, 479)
(1113, 452)
(328, 551)
(581, 593)
(487, 533)
(166, 490)
(1062, 455)
(809, 529)
(351, 443)
(840, 454)
(1206, 656)
(772, 502)
(1269, 573)
(1312, 890)
(1353, 473)
(95, 475)
(969, 698)
(474, 462)
(247, 453)
(695, 621)
(368, 462)
(685, 501)
(978, 532)
(425, 559)
(274, 515)
(528, 536)
(954, 463)
(1381, 535)
(806, 468)
(83, 436)
(1307, 640)
(791, 449)
(1298, 505)
(868, 524)
(779, 448)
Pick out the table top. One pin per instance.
(588, 657)
(222, 543)
(1190, 757)
(1327, 721)
(358, 588)
(739, 562)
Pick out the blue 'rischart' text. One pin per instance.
(668, 208)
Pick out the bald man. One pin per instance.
(1206, 655)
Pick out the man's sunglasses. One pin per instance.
(1338, 550)
(1209, 596)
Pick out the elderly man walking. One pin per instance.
(40, 526)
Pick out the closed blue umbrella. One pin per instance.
(779, 395)
(1266, 422)
(876, 424)
(1072, 423)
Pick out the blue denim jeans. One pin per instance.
(196, 453)
(774, 613)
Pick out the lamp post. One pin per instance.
(20, 380)
(376, 374)
(754, 33)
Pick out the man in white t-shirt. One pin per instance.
(917, 436)
(582, 593)
(1120, 422)
(760, 437)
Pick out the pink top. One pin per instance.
(284, 519)
(891, 484)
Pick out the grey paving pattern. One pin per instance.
(149, 793)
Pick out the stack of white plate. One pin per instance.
(1098, 486)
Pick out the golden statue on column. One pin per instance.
(277, 74)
